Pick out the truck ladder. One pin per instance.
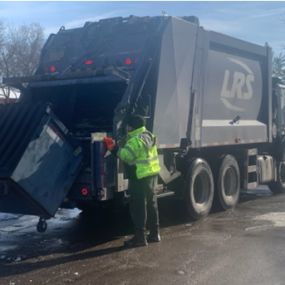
(250, 169)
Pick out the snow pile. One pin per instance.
(5, 217)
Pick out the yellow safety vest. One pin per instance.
(141, 150)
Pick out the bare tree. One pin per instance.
(19, 52)
(279, 66)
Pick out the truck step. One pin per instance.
(251, 168)
(252, 151)
(252, 185)
(165, 194)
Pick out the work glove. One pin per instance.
(109, 143)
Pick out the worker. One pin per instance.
(140, 154)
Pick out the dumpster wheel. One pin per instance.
(42, 225)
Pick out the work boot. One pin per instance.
(154, 236)
(137, 240)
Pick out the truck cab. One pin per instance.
(278, 108)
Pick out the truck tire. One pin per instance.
(228, 183)
(199, 189)
(278, 187)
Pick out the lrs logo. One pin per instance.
(237, 85)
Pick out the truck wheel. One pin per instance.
(228, 183)
(199, 189)
(278, 186)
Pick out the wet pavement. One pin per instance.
(241, 246)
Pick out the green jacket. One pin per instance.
(141, 150)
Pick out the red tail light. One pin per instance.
(84, 191)
(52, 69)
(88, 62)
(128, 61)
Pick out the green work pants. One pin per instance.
(143, 203)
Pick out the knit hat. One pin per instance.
(135, 121)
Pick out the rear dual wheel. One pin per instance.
(200, 187)
(278, 187)
(228, 183)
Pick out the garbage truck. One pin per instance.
(209, 98)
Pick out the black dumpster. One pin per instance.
(39, 161)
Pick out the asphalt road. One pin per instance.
(242, 246)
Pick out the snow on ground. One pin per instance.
(5, 217)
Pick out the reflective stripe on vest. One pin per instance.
(146, 161)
